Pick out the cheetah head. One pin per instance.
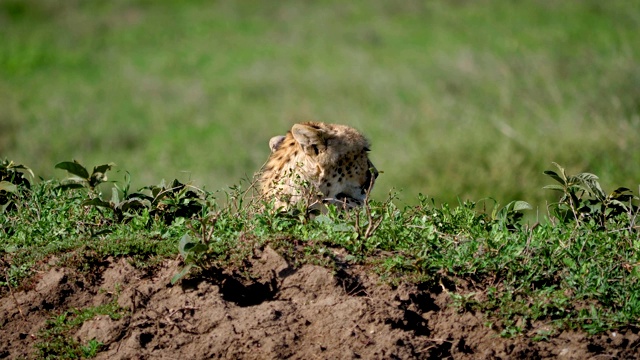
(326, 163)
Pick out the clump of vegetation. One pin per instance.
(583, 200)
(160, 201)
(577, 268)
(80, 177)
(12, 180)
(55, 340)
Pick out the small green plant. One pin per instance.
(210, 238)
(583, 199)
(192, 252)
(56, 341)
(80, 176)
(14, 173)
(464, 301)
(161, 201)
(511, 214)
(171, 202)
(12, 180)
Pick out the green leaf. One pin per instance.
(555, 176)
(621, 190)
(185, 244)
(91, 349)
(96, 179)
(585, 177)
(569, 262)
(74, 168)
(24, 169)
(621, 204)
(4, 207)
(176, 185)
(521, 205)
(564, 174)
(185, 270)
(193, 248)
(554, 187)
(99, 174)
(103, 168)
(198, 248)
(589, 182)
(115, 196)
(622, 194)
(98, 202)
(323, 219)
(134, 204)
(139, 195)
(8, 187)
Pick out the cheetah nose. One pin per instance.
(372, 174)
(372, 170)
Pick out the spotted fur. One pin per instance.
(318, 163)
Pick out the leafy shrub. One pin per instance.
(162, 202)
(583, 200)
(12, 180)
(81, 177)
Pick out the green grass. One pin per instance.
(460, 99)
(566, 272)
(55, 341)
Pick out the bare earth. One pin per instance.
(304, 313)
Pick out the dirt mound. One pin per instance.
(305, 313)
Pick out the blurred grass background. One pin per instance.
(461, 99)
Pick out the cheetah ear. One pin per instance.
(310, 138)
(275, 142)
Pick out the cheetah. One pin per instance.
(318, 163)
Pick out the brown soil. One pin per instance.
(304, 313)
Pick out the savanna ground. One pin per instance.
(173, 270)
(461, 100)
